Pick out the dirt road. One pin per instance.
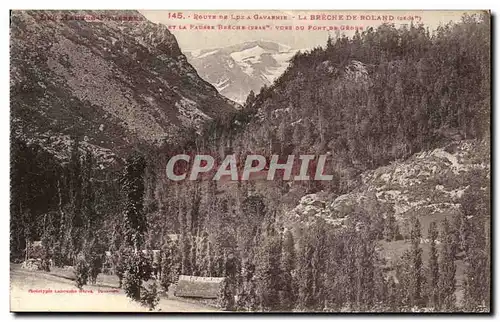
(39, 291)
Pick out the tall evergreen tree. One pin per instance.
(391, 230)
(417, 280)
(365, 270)
(411, 269)
(75, 223)
(476, 284)
(133, 186)
(288, 294)
(169, 264)
(447, 270)
(433, 280)
(268, 273)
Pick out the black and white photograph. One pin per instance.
(250, 161)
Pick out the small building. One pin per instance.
(198, 287)
(33, 256)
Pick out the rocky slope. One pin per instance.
(238, 69)
(114, 83)
(428, 185)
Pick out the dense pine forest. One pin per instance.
(368, 100)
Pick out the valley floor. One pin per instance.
(103, 298)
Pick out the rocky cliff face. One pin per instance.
(428, 185)
(116, 84)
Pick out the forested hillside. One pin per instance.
(382, 95)
(404, 116)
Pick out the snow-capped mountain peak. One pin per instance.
(236, 70)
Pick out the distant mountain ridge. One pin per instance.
(238, 69)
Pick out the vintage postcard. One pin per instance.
(250, 161)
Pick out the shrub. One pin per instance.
(81, 271)
(118, 260)
(132, 285)
(225, 297)
(96, 262)
(150, 297)
(57, 255)
(137, 269)
(169, 268)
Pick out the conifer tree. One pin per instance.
(411, 269)
(393, 300)
(205, 256)
(477, 270)
(225, 297)
(433, 291)
(447, 270)
(268, 273)
(73, 240)
(365, 270)
(169, 264)
(390, 226)
(288, 295)
(133, 186)
(417, 278)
